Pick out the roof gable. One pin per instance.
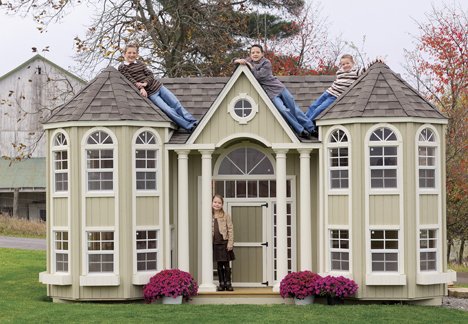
(380, 92)
(242, 71)
(108, 97)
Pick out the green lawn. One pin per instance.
(23, 299)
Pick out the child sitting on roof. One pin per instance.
(143, 79)
(280, 96)
(345, 77)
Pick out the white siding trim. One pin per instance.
(376, 120)
(425, 277)
(372, 277)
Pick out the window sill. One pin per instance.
(142, 278)
(100, 280)
(345, 274)
(433, 277)
(58, 279)
(385, 279)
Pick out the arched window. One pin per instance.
(60, 162)
(339, 160)
(99, 161)
(146, 161)
(383, 158)
(246, 161)
(427, 159)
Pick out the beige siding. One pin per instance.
(100, 211)
(338, 210)
(60, 211)
(428, 209)
(222, 125)
(147, 211)
(194, 207)
(384, 210)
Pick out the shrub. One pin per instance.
(335, 287)
(298, 284)
(170, 283)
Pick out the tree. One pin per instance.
(439, 66)
(177, 37)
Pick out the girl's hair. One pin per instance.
(347, 56)
(256, 45)
(222, 201)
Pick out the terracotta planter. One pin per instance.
(172, 301)
(306, 301)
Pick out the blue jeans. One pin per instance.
(319, 105)
(286, 105)
(169, 103)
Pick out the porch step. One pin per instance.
(259, 296)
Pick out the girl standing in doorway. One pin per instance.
(223, 242)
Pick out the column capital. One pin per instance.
(182, 152)
(281, 151)
(206, 152)
(305, 151)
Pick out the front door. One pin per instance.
(250, 245)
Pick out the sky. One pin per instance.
(388, 26)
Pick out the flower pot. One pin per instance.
(334, 300)
(306, 301)
(171, 300)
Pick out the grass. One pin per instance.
(23, 299)
(13, 226)
(458, 267)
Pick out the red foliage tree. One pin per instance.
(439, 65)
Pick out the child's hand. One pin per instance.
(140, 85)
(240, 61)
(143, 92)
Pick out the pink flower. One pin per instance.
(298, 284)
(170, 283)
(335, 286)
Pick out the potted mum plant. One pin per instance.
(171, 285)
(299, 285)
(335, 288)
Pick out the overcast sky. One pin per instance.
(387, 25)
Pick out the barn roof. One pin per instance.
(28, 174)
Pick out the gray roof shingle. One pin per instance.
(379, 92)
(109, 97)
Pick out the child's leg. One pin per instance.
(298, 114)
(287, 114)
(221, 277)
(320, 105)
(175, 104)
(227, 274)
(170, 112)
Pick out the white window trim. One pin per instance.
(330, 250)
(329, 145)
(96, 278)
(54, 149)
(84, 168)
(420, 250)
(143, 277)
(157, 148)
(399, 144)
(246, 119)
(54, 250)
(437, 166)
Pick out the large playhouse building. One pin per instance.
(129, 194)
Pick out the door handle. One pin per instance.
(264, 244)
(264, 205)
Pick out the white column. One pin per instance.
(206, 235)
(281, 221)
(306, 223)
(183, 261)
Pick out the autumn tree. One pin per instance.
(439, 67)
(177, 38)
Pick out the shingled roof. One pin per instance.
(198, 94)
(379, 92)
(109, 97)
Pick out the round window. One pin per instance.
(243, 108)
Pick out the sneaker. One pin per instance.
(304, 134)
(314, 134)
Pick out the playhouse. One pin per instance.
(129, 195)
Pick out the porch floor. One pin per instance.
(241, 295)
